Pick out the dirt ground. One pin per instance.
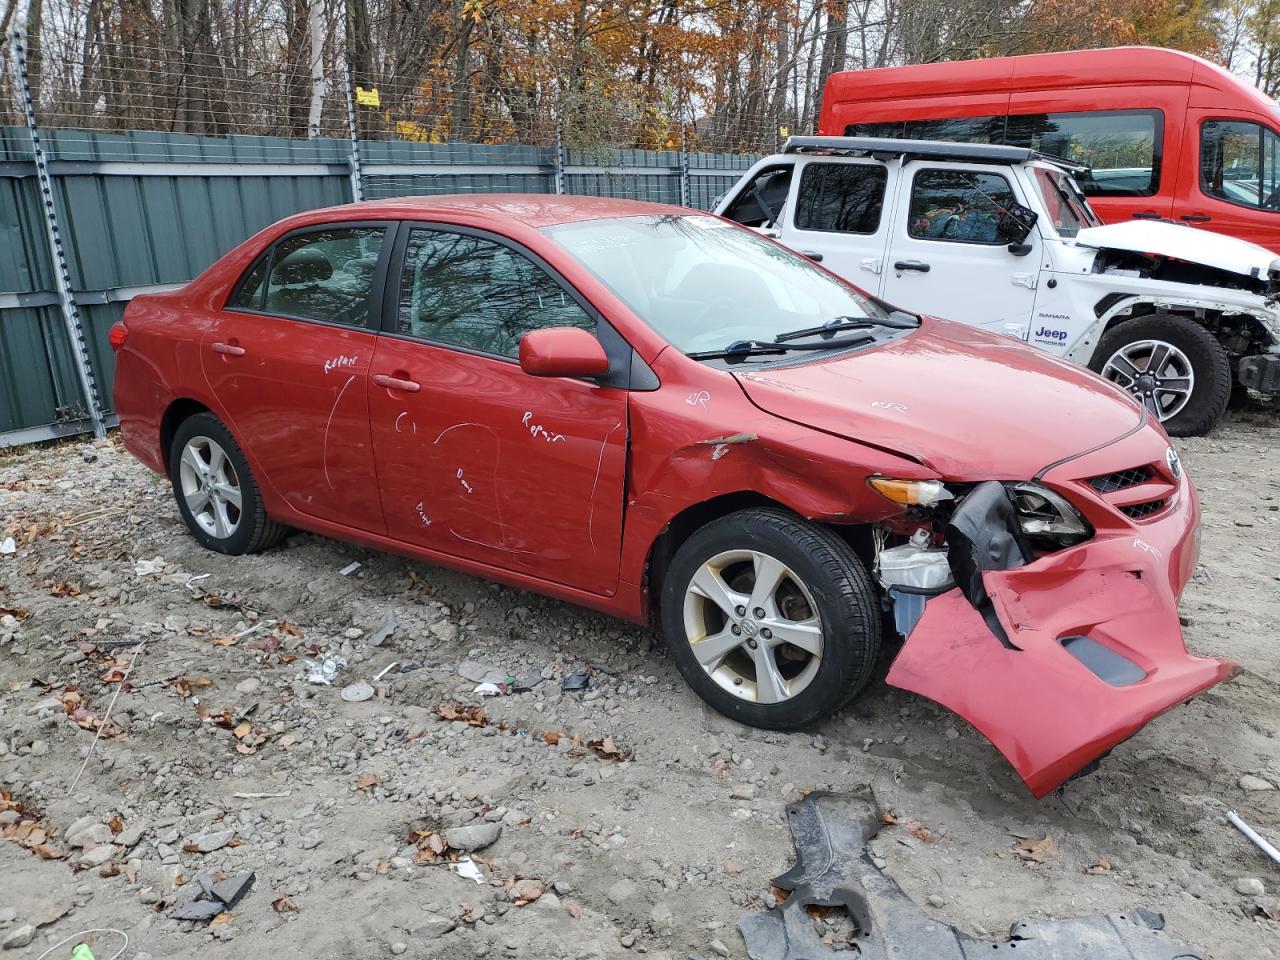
(219, 756)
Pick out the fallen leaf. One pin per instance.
(472, 716)
(242, 728)
(64, 589)
(552, 738)
(222, 918)
(114, 675)
(245, 749)
(778, 893)
(1037, 851)
(367, 781)
(116, 824)
(282, 904)
(575, 911)
(16, 612)
(609, 750)
(888, 819)
(225, 640)
(1098, 868)
(287, 741)
(47, 851)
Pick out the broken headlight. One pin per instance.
(1045, 514)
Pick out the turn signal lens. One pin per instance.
(910, 493)
(117, 335)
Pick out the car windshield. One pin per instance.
(1067, 206)
(703, 283)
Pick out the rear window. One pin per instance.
(841, 197)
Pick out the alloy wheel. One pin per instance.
(210, 487)
(753, 626)
(1156, 372)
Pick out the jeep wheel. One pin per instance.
(1173, 365)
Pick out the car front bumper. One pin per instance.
(1095, 647)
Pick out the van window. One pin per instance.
(841, 197)
(761, 202)
(958, 130)
(1121, 148)
(958, 205)
(1240, 163)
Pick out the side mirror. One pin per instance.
(1015, 224)
(562, 352)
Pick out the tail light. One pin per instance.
(117, 335)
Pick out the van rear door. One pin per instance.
(839, 212)
(945, 256)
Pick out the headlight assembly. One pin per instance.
(1046, 514)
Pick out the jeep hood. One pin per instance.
(967, 403)
(1180, 242)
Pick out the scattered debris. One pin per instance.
(472, 716)
(214, 894)
(380, 636)
(833, 870)
(466, 868)
(481, 672)
(1260, 841)
(1037, 851)
(489, 690)
(350, 568)
(27, 829)
(322, 671)
(357, 693)
(8, 545)
(575, 681)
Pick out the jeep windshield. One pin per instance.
(1066, 205)
(707, 285)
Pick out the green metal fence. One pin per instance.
(147, 211)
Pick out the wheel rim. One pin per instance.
(210, 487)
(1156, 372)
(753, 626)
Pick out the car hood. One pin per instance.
(967, 403)
(1181, 242)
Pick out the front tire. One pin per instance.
(216, 491)
(1173, 365)
(772, 620)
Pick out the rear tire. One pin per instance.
(1183, 351)
(781, 656)
(215, 490)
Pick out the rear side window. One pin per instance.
(1121, 148)
(841, 197)
(248, 295)
(958, 205)
(325, 275)
(1240, 163)
(761, 201)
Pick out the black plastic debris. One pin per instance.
(574, 681)
(984, 534)
(213, 897)
(833, 869)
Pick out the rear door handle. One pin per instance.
(1196, 217)
(228, 349)
(918, 265)
(813, 255)
(395, 383)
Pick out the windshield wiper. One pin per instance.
(896, 320)
(754, 348)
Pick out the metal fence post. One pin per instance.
(684, 170)
(559, 161)
(61, 273)
(353, 159)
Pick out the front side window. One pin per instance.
(469, 292)
(959, 205)
(841, 197)
(761, 203)
(1067, 208)
(702, 283)
(1240, 163)
(1120, 148)
(325, 275)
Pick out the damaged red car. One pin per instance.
(664, 416)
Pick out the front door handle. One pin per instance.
(1145, 215)
(228, 349)
(1196, 217)
(813, 255)
(396, 383)
(917, 265)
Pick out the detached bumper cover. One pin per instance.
(1095, 649)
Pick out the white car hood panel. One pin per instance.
(1182, 243)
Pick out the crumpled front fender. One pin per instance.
(1096, 650)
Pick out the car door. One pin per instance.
(837, 215)
(288, 358)
(1233, 184)
(945, 256)
(476, 458)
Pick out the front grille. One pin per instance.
(1137, 511)
(1120, 480)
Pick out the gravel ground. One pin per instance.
(628, 817)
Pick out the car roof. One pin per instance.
(531, 209)
(886, 148)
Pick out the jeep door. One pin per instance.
(839, 214)
(946, 257)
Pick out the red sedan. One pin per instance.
(662, 415)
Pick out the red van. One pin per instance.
(1165, 134)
